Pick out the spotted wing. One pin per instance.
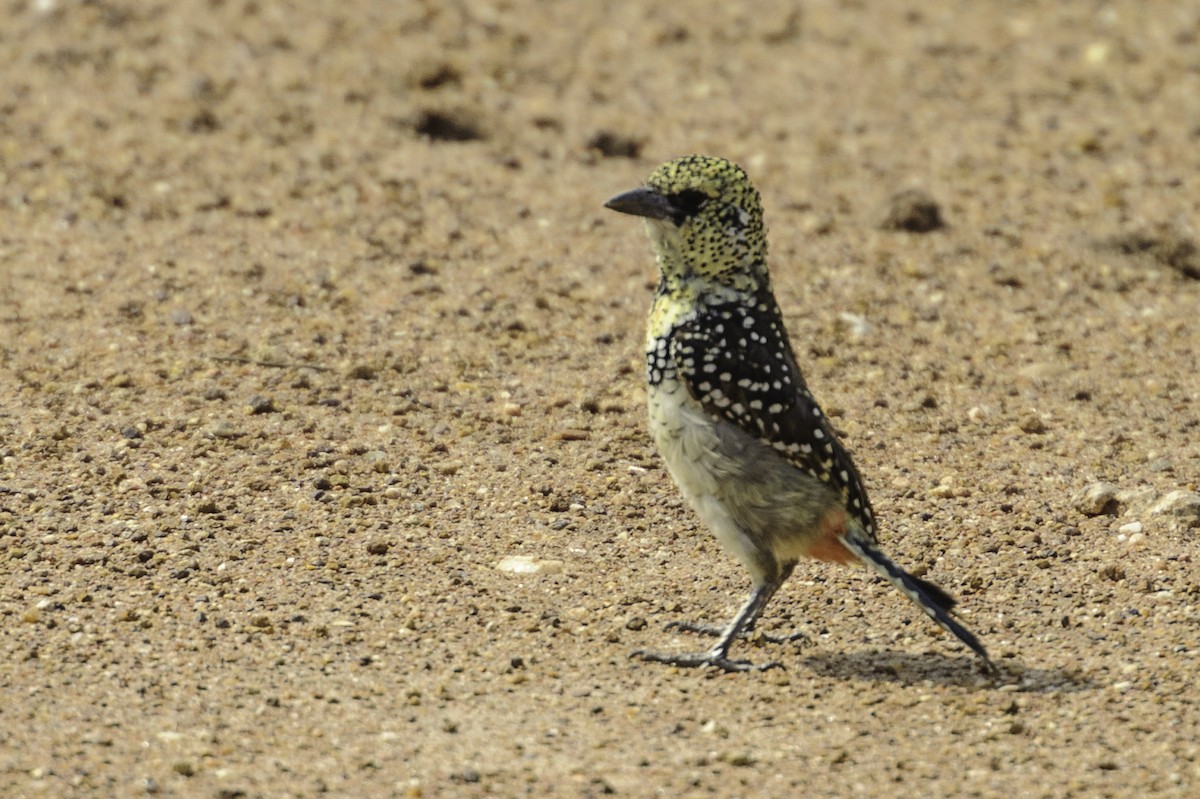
(736, 361)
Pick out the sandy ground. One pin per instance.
(309, 318)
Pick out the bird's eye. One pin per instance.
(687, 203)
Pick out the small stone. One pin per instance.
(1096, 499)
(856, 324)
(1031, 422)
(223, 429)
(362, 371)
(913, 211)
(378, 547)
(739, 759)
(1029, 541)
(260, 405)
(1182, 506)
(527, 564)
(1130, 528)
(469, 775)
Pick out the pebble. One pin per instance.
(855, 323)
(1129, 528)
(527, 564)
(362, 371)
(1030, 421)
(1096, 499)
(223, 429)
(259, 405)
(1183, 506)
(914, 211)
(738, 759)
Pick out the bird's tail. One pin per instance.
(933, 600)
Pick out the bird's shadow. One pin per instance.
(902, 668)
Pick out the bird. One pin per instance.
(730, 413)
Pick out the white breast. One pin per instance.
(687, 440)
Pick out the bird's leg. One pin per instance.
(718, 656)
(715, 631)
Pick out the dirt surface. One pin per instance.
(310, 317)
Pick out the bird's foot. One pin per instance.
(713, 658)
(715, 632)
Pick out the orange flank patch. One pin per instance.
(826, 546)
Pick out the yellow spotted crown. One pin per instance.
(718, 235)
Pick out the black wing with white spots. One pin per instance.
(736, 362)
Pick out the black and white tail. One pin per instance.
(933, 600)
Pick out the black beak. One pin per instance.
(642, 202)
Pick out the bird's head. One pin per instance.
(704, 218)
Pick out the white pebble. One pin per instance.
(1130, 529)
(527, 564)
